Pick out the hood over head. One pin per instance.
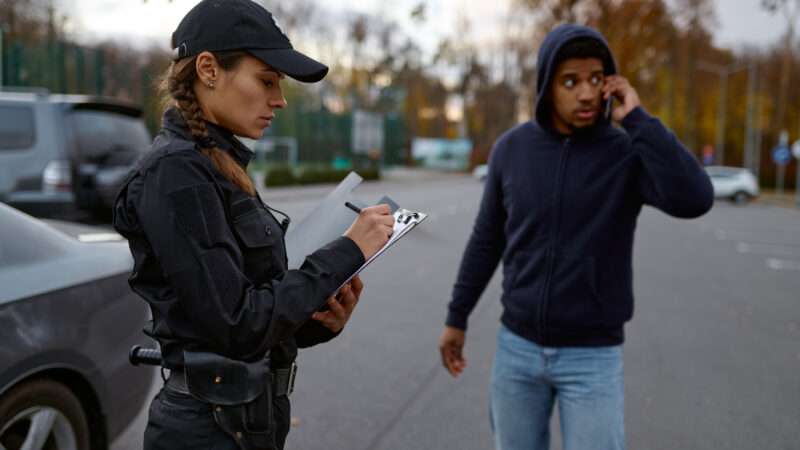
(548, 59)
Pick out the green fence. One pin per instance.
(54, 65)
(323, 136)
(64, 67)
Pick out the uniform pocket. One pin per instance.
(254, 230)
(257, 239)
(200, 213)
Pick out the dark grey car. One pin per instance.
(67, 321)
(61, 154)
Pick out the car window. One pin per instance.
(722, 173)
(108, 138)
(17, 131)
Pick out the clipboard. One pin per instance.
(330, 219)
(404, 222)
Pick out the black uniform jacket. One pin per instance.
(211, 260)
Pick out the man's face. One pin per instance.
(576, 93)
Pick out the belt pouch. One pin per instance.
(239, 392)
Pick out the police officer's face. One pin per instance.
(577, 92)
(243, 99)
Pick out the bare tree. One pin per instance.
(790, 9)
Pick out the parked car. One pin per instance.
(481, 172)
(67, 321)
(733, 183)
(60, 153)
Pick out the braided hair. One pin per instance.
(177, 87)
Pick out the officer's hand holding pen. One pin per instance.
(371, 229)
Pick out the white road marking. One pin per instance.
(766, 249)
(783, 264)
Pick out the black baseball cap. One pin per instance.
(221, 25)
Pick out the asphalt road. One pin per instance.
(712, 356)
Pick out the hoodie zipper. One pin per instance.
(551, 251)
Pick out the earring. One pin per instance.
(211, 85)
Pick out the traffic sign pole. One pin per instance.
(781, 156)
(796, 153)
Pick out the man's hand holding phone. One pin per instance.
(617, 87)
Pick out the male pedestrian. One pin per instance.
(559, 208)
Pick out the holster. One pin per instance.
(240, 394)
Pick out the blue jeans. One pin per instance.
(527, 379)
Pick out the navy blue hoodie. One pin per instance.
(560, 211)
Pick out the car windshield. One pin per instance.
(108, 138)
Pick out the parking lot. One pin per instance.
(711, 354)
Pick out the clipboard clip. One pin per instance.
(406, 216)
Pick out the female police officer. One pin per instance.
(209, 254)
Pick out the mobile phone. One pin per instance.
(609, 107)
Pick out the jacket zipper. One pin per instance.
(551, 250)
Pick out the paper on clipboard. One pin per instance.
(330, 219)
(327, 221)
(404, 222)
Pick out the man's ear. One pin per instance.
(207, 68)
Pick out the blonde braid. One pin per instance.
(185, 99)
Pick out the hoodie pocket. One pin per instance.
(523, 282)
(574, 301)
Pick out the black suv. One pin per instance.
(64, 153)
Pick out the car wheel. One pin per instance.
(42, 414)
(741, 198)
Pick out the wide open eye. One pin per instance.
(569, 83)
(596, 80)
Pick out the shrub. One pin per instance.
(279, 176)
(285, 176)
(370, 174)
(316, 175)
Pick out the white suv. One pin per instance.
(733, 183)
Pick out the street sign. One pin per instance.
(796, 149)
(708, 155)
(781, 155)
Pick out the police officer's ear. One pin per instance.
(208, 69)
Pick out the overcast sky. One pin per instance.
(740, 22)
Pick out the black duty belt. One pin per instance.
(282, 381)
